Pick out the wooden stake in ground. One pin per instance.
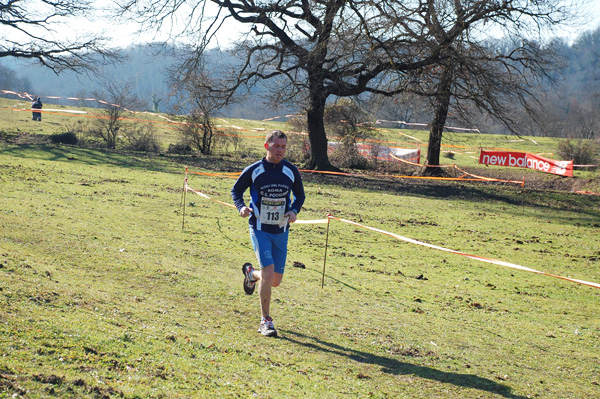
(183, 198)
(325, 257)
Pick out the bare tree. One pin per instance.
(198, 105)
(121, 101)
(29, 33)
(314, 49)
(473, 75)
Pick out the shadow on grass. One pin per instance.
(331, 278)
(396, 367)
(93, 157)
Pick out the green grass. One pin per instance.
(103, 295)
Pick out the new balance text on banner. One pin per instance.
(525, 160)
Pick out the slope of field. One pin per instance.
(104, 295)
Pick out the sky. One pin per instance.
(588, 19)
(124, 34)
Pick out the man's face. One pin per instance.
(276, 149)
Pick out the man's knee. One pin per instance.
(277, 279)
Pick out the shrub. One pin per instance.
(346, 155)
(581, 151)
(297, 123)
(449, 155)
(64, 138)
(198, 130)
(222, 140)
(180, 148)
(79, 129)
(345, 120)
(142, 138)
(345, 124)
(298, 148)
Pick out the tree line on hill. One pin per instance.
(146, 68)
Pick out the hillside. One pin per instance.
(239, 138)
(105, 295)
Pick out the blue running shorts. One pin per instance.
(270, 249)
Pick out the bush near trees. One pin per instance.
(64, 138)
(581, 151)
(347, 120)
(197, 131)
(142, 138)
(346, 124)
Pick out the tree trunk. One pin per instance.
(319, 160)
(437, 125)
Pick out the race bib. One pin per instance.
(272, 210)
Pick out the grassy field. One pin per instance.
(104, 295)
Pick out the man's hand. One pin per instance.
(245, 211)
(291, 215)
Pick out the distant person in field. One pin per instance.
(36, 103)
(271, 181)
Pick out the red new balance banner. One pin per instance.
(525, 160)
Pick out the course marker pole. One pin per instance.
(183, 198)
(325, 257)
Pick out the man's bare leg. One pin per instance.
(267, 279)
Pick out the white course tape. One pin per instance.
(476, 257)
(421, 243)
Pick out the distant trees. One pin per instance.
(28, 33)
(9, 80)
(572, 110)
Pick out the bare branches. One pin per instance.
(30, 34)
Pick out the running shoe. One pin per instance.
(249, 285)
(267, 328)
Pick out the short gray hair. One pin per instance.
(275, 134)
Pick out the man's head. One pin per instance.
(275, 134)
(276, 145)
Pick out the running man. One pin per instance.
(271, 210)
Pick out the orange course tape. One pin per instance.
(475, 177)
(226, 174)
(587, 192)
